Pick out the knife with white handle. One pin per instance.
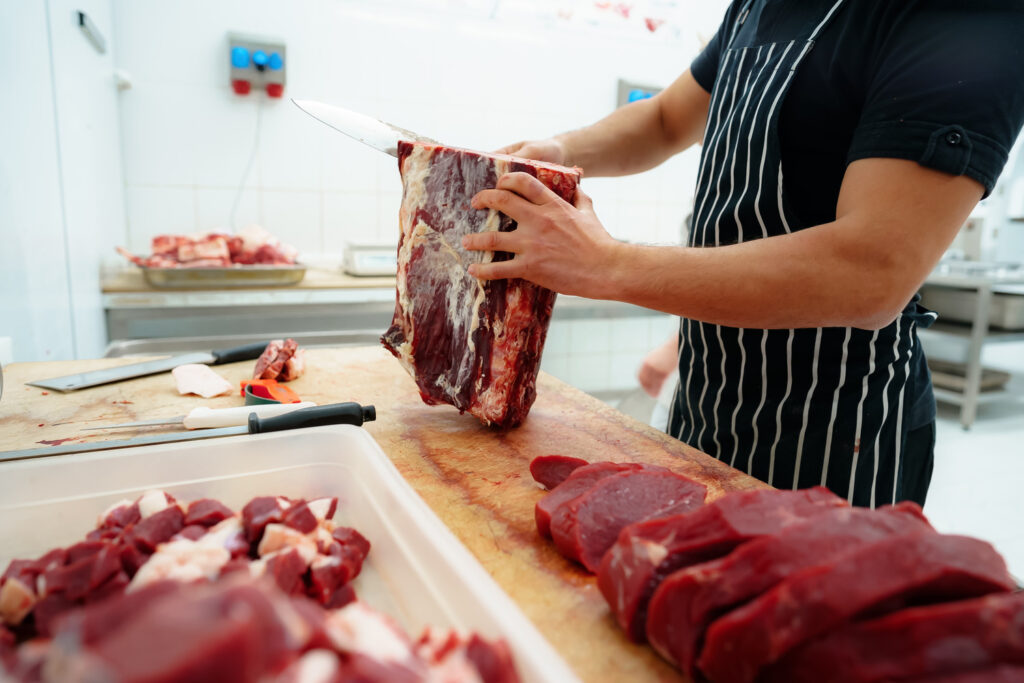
(211, 418)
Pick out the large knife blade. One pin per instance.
(334, 414)
(84, 380)
(365, 129)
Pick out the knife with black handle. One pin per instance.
(317, 416)
(95, 378)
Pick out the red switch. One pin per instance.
(241, 87)
(275, 89)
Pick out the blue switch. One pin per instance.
(259, 58)
(239, 57)
(638, 94)
(275, 61)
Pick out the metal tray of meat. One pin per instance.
(417, 571)
(220, 278)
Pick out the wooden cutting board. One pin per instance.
(475, 478)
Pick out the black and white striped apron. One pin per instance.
(794, 408)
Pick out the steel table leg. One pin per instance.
(979, 329)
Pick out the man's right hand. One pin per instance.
(551, 150)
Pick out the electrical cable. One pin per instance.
(248, 165)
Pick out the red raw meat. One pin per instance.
(257, 514)
(551, 470)
(873, 580)
(997, 674)
(207, 512)
(276, 361)
(192, 532)
(578, 482)
(586, 526)
(647, 552)
(156, 529)
(79, 576)
(918, 642)
(687, 601)
(252, 245)
(472, 344)
(121, 516)
(287, 568)
(300, 518)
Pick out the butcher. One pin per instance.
(844, 143)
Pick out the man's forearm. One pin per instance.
(641, 135)
(807, 279)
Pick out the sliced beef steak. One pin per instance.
(475, 345)
(647, 552)
(551, 470)
(586, 526)
(914, 643)
(883, 577)
(687, 601)
(575, 484)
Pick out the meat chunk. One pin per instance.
(575, 484)
(551, 470)
(918, 642)
(876, 579)
(207, 512)
(472, 344)
(647, 552)
(687, 601)
(282, 360)
(586, 526)
(252, 245)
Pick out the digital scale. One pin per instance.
(370, 260)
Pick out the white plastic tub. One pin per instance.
(417, 571)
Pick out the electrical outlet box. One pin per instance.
(629, 91)
(257, 63)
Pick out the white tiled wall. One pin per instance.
(601, 355)
(478, 83)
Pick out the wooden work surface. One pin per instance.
(475, 479)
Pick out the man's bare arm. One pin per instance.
(631, 139)
(895, 219)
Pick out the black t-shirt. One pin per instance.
(940, 82)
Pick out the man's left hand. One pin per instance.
(557, 245)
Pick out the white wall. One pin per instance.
(477, 83)
(60, 185)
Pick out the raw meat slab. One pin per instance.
(686, 602)
(581, 480)
(647, 552)
(875, 580)
(586, 526)
(924, 641)
(551, 470)
(472, 344)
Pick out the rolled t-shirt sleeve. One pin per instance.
(946, 89)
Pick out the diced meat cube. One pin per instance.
(120, 515)
(576, 483)
(300, 518)
(152, 502)
(876, 579)
(647, 552)
(77, 578)
(156, 528)
(287, 568)
(80, 551)
(323, 508)
(115, 585)
(280, 537)
(207, 512)
(350, 538)
(132, 559)
(551, 470)
(586, 526)
(258, 513)
(373, 644)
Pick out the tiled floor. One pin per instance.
(978, 485)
